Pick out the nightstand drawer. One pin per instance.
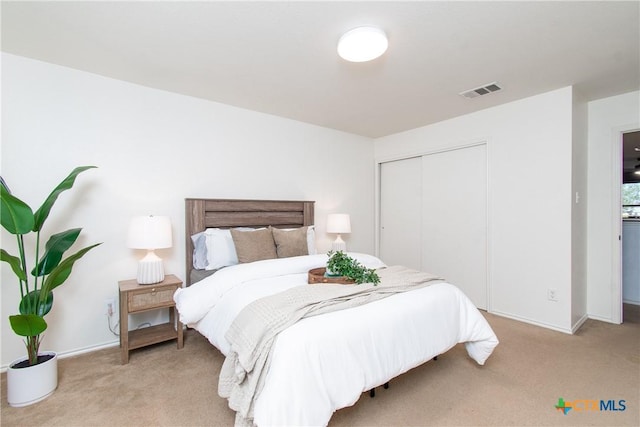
(151, 298)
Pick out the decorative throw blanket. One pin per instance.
(253, 332)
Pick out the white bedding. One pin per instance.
(325, 362)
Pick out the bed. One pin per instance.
(322, 362)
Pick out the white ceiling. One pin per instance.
(280, 57)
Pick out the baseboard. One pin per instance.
(77, 352)
(601, 319)
(579, 323)
(532, 322)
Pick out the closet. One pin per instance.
(433, 216)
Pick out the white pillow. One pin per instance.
(221, 251)
(311, 240)
(200, 260)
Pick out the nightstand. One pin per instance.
(135, 298)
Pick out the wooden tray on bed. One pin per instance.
(316, 275)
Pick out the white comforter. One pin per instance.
(325, 362)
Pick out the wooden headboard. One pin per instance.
(201, 214)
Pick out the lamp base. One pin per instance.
(150, 269)
(339, 245)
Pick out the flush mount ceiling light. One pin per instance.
(362, 44)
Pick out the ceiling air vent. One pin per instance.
(482, 90)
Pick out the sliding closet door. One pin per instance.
(454, 219)
(400, 212)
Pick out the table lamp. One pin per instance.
(150, 232)
(339, 223)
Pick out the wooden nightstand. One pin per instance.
(135, 298)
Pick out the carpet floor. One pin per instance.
(520, 384)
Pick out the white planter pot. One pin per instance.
(32, 384)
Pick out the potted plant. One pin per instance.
(35, 377)
(341, 264)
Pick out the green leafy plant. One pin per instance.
(342, 264)
(49, 271)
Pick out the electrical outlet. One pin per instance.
(552, 294)
(109, 307)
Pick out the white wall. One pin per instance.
(608, 118)
(153, 149)
(530, 198)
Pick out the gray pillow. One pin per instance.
(254, 245)
(290, 242)
(200, 261)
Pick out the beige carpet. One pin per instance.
(519, 385)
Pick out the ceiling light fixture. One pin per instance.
(362, 44)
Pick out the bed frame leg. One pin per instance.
(372, 392)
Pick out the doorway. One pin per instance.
(630, 213)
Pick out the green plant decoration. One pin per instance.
(49, 271)
(342, 264)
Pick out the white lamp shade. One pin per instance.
(338, 223)
(362, 44)
(150, 232)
